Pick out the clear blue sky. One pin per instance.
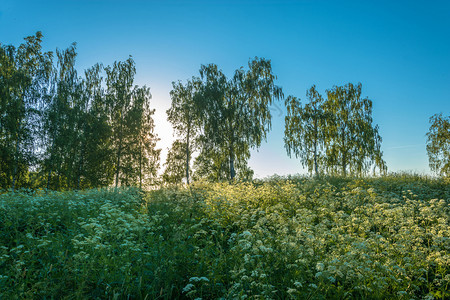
(398, 50)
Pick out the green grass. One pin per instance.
(302, 238)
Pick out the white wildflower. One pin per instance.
(188, 287)
(291, 291)
(320, 266)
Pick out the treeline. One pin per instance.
(59, 130)
(219, 119)
(222, 119)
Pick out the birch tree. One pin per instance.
(25, 73)
(119, 82)
(130, 116)
(175, 165)
(184, 114)
(237, 114)
(353, 143)
(304, 134)
(438, 144)
(60, 119)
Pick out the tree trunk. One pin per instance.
(232, 171)
(80, 167)
(118, 163)
(119, 152)
(57, 181)
(16, 154)
(140, 163)
(316, 138)
(72, 173)
(187, 153)
(344, 164)
(80, 162)
(344, 152)
(14, 177)
(49, 176)
(316, 168)
(53, 150)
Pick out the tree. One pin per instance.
(438, 144)
(304, 134)
(352, 142)
(8, 86)
(95, 164)
(212, 164)
(184, 114)
(24, 78)
(67, 132)
(236, 115)
(142, 157)
(119, 84)
(130, 118)
(175, 163)
(61, 120)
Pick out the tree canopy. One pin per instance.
(236, 115)
(59, 130)
(304, 134)
(336, 134)
(185, 116)
(353, 143)
(24, 77)
(438, 144)
(65, 129)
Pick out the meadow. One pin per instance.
(280, 238)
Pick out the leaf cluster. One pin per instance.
(334, 135)
(438, 144)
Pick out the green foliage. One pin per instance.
(185, 116)
(223, 118)
(305, 129)
(235, 116)
(213, 164)
(352, 142)
(335, 135)
(96, 156)
(297, 238)
(133, 139)
(119, 82)
(62, 131)
(24, 79)
(438, 144)
(63, 122)
(175, 163)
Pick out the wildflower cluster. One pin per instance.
(277, 239)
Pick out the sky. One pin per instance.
(398, 50)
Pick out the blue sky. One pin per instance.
(398, 50)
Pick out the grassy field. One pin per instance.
(298, 238)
